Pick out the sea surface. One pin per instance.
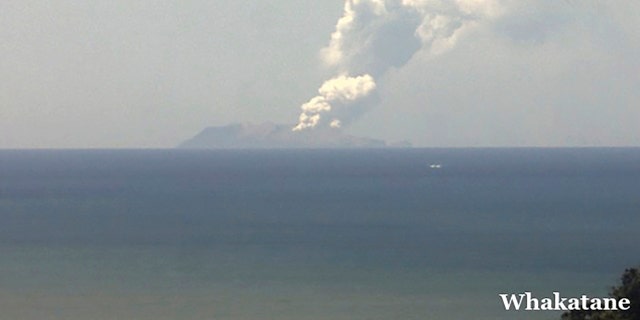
(311, 234)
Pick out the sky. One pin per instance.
(458, 73)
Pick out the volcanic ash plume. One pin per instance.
(375, 35)
(335, 94)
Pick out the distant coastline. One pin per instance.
(271, 135)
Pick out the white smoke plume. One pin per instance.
(338, 93)
(373, 36)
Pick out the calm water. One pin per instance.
(368, 234)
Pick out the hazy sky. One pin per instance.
(111, 74)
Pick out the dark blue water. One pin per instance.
(324, 234)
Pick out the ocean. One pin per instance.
(311, 234)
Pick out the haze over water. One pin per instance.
(310, 234)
